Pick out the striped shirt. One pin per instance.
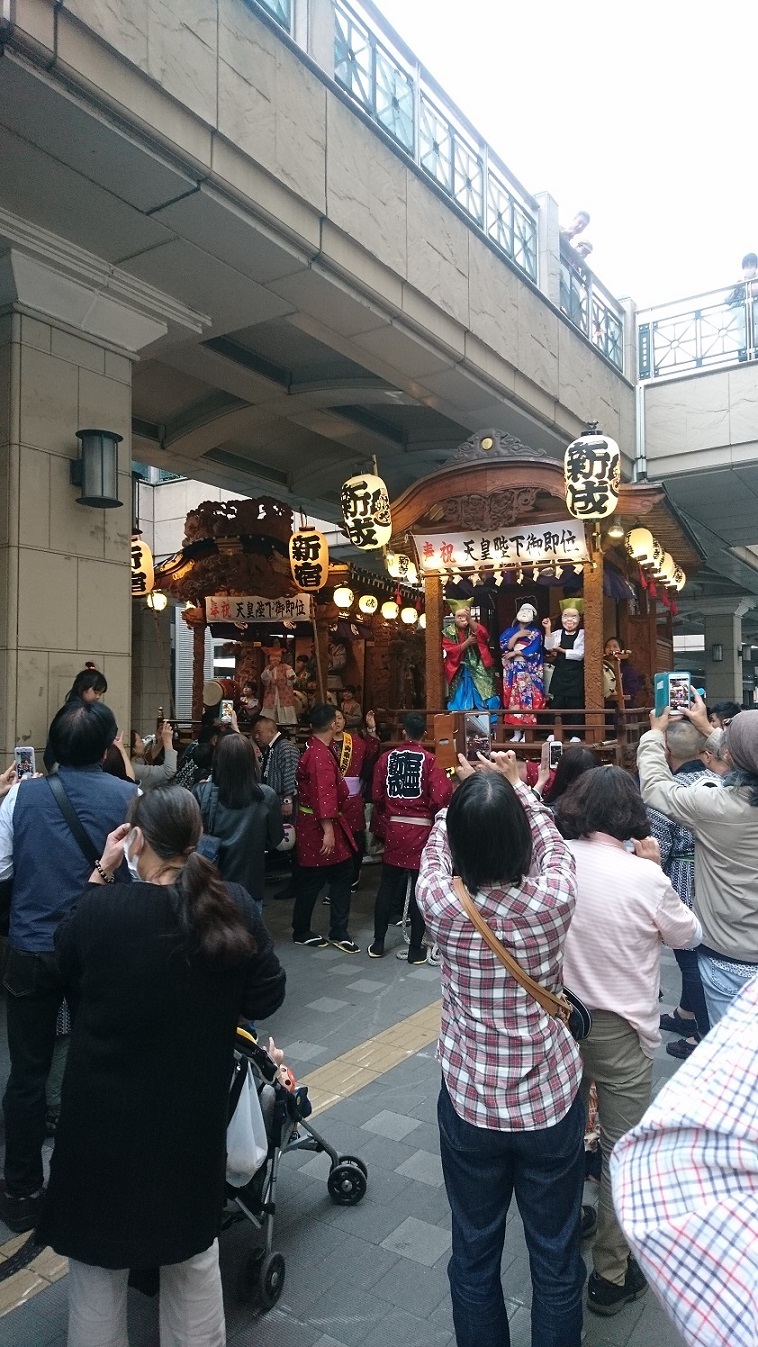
(685, 1185)
(507, 1064)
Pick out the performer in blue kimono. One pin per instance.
(523, 679)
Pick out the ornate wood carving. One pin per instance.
(493, 511)
(262, 517)
(489, 444)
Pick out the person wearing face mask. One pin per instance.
(158, 973)
(567, 682)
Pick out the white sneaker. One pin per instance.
(517, 737)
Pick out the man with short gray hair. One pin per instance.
(685, 749)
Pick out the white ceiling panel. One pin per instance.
(224, 230)
(230, 299)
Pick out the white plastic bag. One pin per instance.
(246, 1140)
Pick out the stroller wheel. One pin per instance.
(248, 1275)
(353, 1160)
(271, 1280)
(346, 1184)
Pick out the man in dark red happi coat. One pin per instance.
(356, 755)
(409, 789)
(325, 844)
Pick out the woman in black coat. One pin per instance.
(245, 815)
(158, 973)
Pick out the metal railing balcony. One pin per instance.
(382, 75)
(700, 333)
(590, 307)
(390, 84)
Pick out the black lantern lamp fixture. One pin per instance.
(96, 472)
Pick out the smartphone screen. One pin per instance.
(24, 760)
(555, 753)
(679, 692)
(227, 708)
(477, 736)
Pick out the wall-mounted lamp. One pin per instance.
(96, 472)
(717, 653)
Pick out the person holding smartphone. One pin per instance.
(147, 774)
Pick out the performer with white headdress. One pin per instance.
(469, 662)
(523, 678)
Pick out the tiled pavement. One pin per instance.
(373, 1275)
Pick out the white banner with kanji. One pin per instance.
(562, 543)
(255, 608)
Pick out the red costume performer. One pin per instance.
(355, 756)
(409, 788)
(325, 844)
(321, 794)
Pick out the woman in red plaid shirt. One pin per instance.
(509, 1114)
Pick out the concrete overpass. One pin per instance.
(217, 241)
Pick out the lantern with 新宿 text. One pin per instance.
(309, 559)
(366, 511)
(592, 471)
(143, 571)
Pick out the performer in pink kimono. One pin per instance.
(523, 678)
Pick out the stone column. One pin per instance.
(723, 627)
(435, 682)
(549, 249)
(70, 327)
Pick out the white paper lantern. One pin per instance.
(143, 570)
(422, 621)
(368, 604)
(402, 568)
(390, 610)
(640, 544)
(366, 510)
(157, 600)
(343, 597)
(309, 560)
(409, 616)
(592, 472)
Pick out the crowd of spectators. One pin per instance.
(581, 877)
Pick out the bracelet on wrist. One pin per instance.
(106, 878)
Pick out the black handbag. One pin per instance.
(209, 845)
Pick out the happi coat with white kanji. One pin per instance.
(409, 789)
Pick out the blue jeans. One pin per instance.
(545, 1169)
(722, 983)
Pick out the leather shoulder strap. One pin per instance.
(83, 841)
(554, 1005)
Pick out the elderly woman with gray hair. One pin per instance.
(725, 827)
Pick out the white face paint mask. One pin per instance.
(131, 864)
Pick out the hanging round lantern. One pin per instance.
(309, 560)
(402, 568)
(390, 610)
(679, 580)
(343, 597)
(143, 570)
(366, 510)
(157, 600)
(592, 472)
(666, 569)
(640, 544)
(422, 621)
(409, 616)
(368, 604)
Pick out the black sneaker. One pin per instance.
(376, 949)
(588, 1221)
(312, 940)
(604, 1297)
(20, 1213)
(347, 945)
(417, 955)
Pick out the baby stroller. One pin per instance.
(285, 1108)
